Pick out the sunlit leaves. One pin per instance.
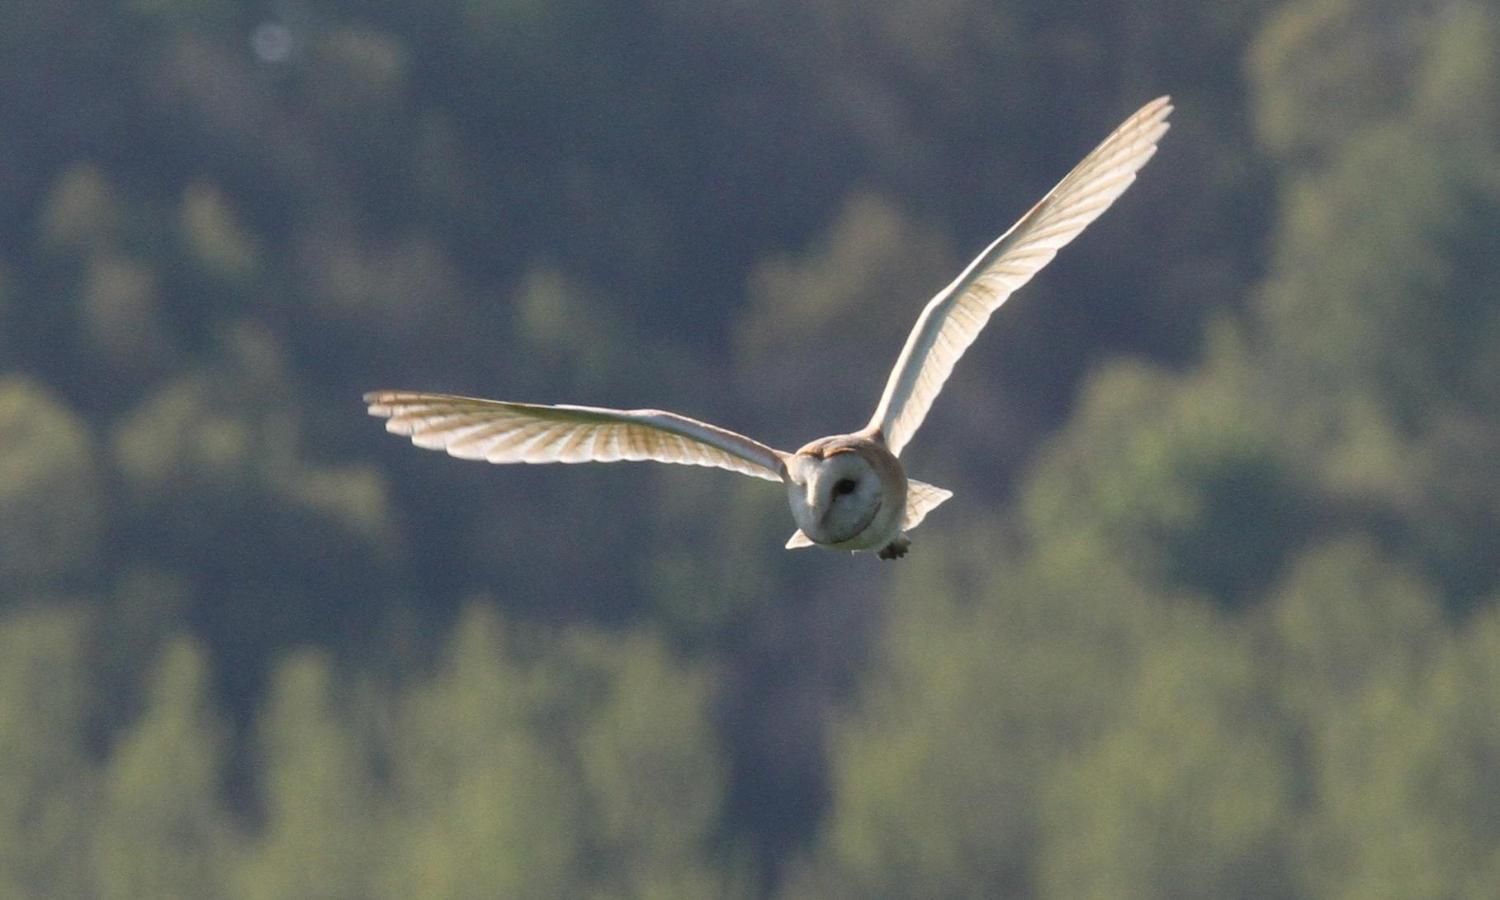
(213, 236)
(1181, 483)
(1232, 634)
(586, 768)
(851, 298)
(163, 827)
(82, 210)
(48, 795)
(51, 496)
(321, 822)
(1187, 794)
(1325, 68)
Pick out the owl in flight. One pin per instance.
(847, 491)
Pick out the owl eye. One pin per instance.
(844, 486)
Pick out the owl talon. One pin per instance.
(896, 549)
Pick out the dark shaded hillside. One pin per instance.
(1213, 612)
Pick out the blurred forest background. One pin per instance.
(1215, 611)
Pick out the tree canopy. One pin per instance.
(1215, 611)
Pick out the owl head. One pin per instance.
(838, 491)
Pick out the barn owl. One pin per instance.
(846, 491)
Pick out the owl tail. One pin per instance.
(921, 499)
(798, 540)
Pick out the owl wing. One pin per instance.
(952, 319)
(501, 432)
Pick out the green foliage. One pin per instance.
(572, 337)
(577, 767)
(468, 777)
(51, 499)
(163, 826)
(1180, 482)
(1030, 739)
(977, 691)
(1343, 614)
(863, 278)
(1187, 795)
(82, 211)
(1405, 781)
(206, 447)
(1398, 744)
(1379, 314)
(1323, 69)
(321, 819)
(213, 237)
(48, 796)
(567, 765)
(1231, 630)
(1382, 298)
(591, 767)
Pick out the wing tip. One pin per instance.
(385, 403)
(1147, 124)
(1159, 108)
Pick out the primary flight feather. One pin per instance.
(846, 491)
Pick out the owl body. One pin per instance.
(846, 491)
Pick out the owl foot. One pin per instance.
(897, 548)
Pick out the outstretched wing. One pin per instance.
(955, 316)
(501, 432)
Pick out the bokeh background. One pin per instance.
(1215, 611)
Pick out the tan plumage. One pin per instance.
(846, 491)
